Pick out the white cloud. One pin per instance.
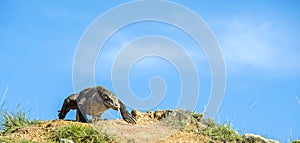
(173, 55)
(258, 45)
(158, 49)
(248, 43)
(298, 100)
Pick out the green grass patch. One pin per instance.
(12, 121)
(223, 133)
(79, 133)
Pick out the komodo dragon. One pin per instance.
(94, 101)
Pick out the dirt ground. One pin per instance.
(142, 132)
(148, 132)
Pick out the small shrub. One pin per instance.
(79, 133)
(296, 141)
(222, 133)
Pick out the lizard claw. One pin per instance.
(129, 119)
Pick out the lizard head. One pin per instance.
(110, 100)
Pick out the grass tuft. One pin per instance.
(80, 133)
(223, 133)
(208, 127)
(12, 121)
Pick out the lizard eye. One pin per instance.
(106, 98)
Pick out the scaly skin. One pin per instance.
(94, 101)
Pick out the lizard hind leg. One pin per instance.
(81, 116)
(77, 116)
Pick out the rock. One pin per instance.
(252, 138)
(177, 115)
(63, 140)
(135, 113)
(159, 114)
(150, 114)
(142, 116)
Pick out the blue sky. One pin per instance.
(259, 40)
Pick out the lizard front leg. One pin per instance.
(125, 114)
(69, 103)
